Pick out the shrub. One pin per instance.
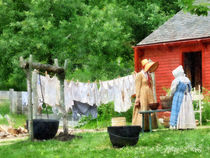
(205, 112)
(206, 105)
(105, 114)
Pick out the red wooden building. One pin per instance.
(182, 40)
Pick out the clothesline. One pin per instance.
(96, 81)
(118, 90)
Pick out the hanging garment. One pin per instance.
(127, 94)
(122, 94)
(119, 95)
(95, 94)
(145, 94)
(110, 91)
(83, 109)
(68, 95)
(52, 91)
(186, 117)
(103, 92)
(84, 90)
(57, 102)
(76, 91)
(41, 81)
(106, 91)
(132, 89)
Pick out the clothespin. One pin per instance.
(46, 73)
(88, 81)
(119, 76)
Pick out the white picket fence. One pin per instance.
(197, 96)
(15, 100)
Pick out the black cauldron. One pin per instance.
(124, 135)
(44, 128)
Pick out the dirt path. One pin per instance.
(74, 131)
(8, 140)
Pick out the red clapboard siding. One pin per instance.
(168, 61)
(206, 67)
(171, 58)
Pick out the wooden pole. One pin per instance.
(65, 119)
(60, 71)
(30, 106)
(61, 79)
(43, 67)
(35, 94)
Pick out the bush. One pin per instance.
(16, 120)
(105, 114)
(205, 112)
(4, 108)
(206, 106)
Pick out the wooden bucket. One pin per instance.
(166, 122)
(118, 121)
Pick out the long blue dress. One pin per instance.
(176, 103)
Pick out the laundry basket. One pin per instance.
(118, 121)
(166, 101)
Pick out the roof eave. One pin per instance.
(170, 43)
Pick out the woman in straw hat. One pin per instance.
(182, 114)
(144, 94)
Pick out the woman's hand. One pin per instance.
(137, 103)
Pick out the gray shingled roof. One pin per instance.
(182, 26)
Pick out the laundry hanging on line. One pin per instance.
(118, 90)
(80, 109)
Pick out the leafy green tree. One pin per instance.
(199, 7)
(96, 36)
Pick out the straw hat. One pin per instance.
(149, 65)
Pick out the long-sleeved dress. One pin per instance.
(182, 113)
(145, 94)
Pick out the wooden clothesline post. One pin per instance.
(61, 77)
(28, 66)
(30, 106)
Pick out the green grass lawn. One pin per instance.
(163, 143)
(17, 120)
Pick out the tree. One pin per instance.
(199, 7)
(95, 36)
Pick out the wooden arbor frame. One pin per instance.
(28, 66)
